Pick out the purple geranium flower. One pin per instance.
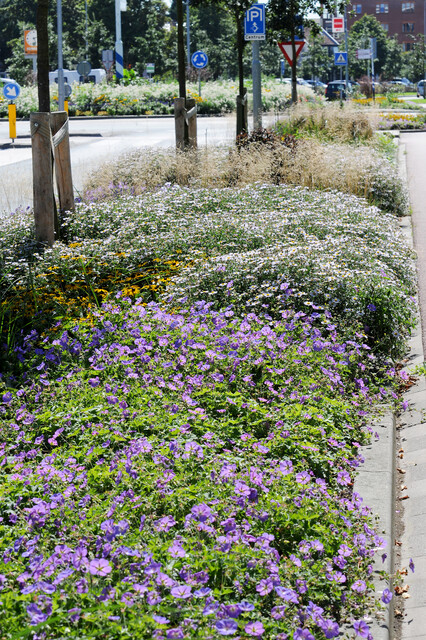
(303, 634)
(99, 567)
(362, 629)
(181, 591)
(359, 586)
(343, 478)
(254, 629)
(226, 627)
(330, 628)
(411, 565)
(303, 477)
(37, 615)
(287, 594)
(174, 633)
(387, 596)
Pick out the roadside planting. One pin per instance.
(177, 458)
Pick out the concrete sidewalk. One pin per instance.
(412, 423)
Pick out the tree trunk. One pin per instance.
(240, 46)
(293, 66)
(180, 49)
(42, 56)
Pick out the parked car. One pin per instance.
(409, 86)
(421, 89)
(337, 88)
(316, 84)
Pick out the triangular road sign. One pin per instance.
(287, 49)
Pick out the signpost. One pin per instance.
(341, 58)
(287, 49)
(107, 59)
(254, 23)
(84, 68)
(11, 91)
(363, 54)
(199, 60)
(30, 46)
(255, 30)
(338, 24)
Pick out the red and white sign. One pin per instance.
(338, 25)
(287, 49)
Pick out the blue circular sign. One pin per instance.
(199, 59)
(11, 90)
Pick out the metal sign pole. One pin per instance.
(257, 85)
(346, 47)
(118, 42)
(61, 91)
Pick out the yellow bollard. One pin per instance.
(66, 105)
(12, 120)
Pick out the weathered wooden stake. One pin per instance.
(192, 122)
(185, 123)
(42, 177)
(61, 143)
(179, 106)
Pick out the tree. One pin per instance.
(316, 62)
(43, 55)
(389, 54)
(414, 60)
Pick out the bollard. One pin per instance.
(44, 216)
(12, 120)
(66, 106)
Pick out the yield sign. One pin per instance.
(287, 49)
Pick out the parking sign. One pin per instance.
(254, 23)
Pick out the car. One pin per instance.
(409, 86)
(316, 84)
(421, 89)
(337, 89)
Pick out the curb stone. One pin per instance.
(376, 481)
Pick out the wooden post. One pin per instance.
(61, 143)
(192, 122)
(42, 177)
(179, 105)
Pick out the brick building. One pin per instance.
(406, 19)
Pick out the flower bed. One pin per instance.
(183, 468)
(156, 98)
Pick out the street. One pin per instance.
(93, 142)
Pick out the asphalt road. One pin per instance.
(93, 142)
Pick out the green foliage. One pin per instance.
(389, 53)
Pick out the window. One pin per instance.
(407, 7)
(408, 27)
(385, 26)
(357, 8)
(407, 46)
(382, 8)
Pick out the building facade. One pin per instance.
(405, 19)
